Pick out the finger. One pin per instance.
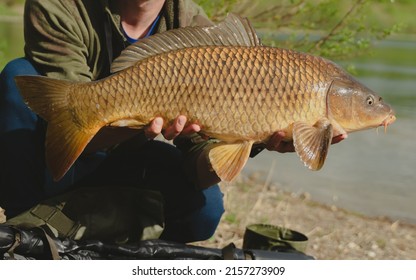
(277, 144)
(275, 140)
(154, 129)
(175, 129)
(191, 128)
(286, 147)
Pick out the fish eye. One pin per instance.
(370, 100)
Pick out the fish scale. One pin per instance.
(195, 90)
(219, 77)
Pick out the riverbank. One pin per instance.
(333, 233)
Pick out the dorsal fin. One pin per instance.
(233, 31)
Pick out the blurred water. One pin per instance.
(370, 173)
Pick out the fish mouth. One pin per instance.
(389, 120)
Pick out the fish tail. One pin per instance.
(65, 139)
(47, 97)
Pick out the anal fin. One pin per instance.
(312, 142)
(228, 159)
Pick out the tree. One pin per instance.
(330, 28)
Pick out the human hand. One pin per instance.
(179, 126)
(277, 144)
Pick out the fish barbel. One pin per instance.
(220, 77)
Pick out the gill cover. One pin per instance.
(352, 106)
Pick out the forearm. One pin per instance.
(205, 175)
(110, 136)
(196, 164)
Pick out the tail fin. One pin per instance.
(65, 139)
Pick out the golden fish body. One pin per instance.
(233, 93)
(237, 90)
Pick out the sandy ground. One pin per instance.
(332, 233)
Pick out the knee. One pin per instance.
(8, 88)
(18, 66)
(208, 224)
(208, 217)
(14, 113)
(201, 223)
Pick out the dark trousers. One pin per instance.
(191, 214)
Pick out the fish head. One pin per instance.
(355, 107)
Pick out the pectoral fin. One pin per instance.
(228, 160)
(312, 142)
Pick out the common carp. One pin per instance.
(221, 77)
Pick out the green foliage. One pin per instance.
(9, 7)
(231, 218)
(331, 28)
(3, 46)
(3, 9)
(336, 29)
(217, 9)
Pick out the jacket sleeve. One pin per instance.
(57, 40)
(196, 162)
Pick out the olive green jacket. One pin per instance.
(75, 40)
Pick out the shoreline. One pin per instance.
(333, 232)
